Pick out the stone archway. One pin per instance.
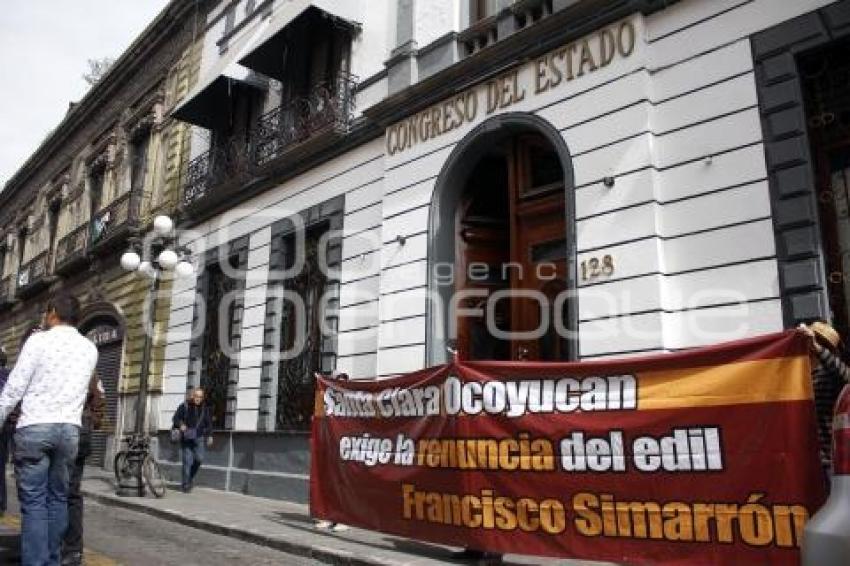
(445, 203)
(104, 325)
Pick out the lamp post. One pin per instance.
(159, 255)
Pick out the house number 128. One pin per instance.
(595, 267)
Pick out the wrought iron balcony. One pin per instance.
(34, 275)
(111, 225)
(71, 249)
(219, 166)
(299, 123)
(7, 291)
(327, 108)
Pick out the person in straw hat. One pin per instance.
(829, 374)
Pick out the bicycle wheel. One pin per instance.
(153, 476)
(122, 468)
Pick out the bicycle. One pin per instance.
(136, 461)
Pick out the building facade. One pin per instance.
(377, 186)
(115, 161)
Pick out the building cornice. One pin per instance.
(137, 55)
(573, 22)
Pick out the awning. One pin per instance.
(208, 103)
(265, 54)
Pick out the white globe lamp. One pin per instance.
(163, 225)
(184, 269)
(168, 259)
(130, 261)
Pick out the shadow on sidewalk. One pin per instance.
(408, 546)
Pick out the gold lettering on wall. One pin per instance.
(559, 66)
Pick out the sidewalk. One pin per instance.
(283, 525)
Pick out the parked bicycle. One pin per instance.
(135, 461)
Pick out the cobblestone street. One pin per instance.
(117, 536)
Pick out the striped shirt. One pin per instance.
(828, 377)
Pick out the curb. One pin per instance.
(321, 553)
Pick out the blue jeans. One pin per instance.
(43, 454)
(192, 453)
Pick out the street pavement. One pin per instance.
(117, 536)
(211, 527)
(287, 527)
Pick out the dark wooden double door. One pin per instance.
(511, 255)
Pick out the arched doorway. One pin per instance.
(107, 334)
(502, 223)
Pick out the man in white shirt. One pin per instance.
(51, 380)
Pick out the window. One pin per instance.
(139, 160)
(229, 145)
(301, 314)
(23, 276)
(96, 198)
(22, 243)
(96, 179)
(301, 336)
(53, 224)
(221, 328)
(315, 53)
(482, 9)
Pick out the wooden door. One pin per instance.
(539, 249)
(827, 101)
(525, 251)
(833, 191)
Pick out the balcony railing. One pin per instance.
(485, 32)
(328, 108)
(71, 249)
(112, 221)
(214, 168)
(34, 274)
(7, 290)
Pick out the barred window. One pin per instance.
(220, 330)
(301, 329)
(139, 160)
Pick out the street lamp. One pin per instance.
(162, 253)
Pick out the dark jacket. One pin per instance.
(193, 416)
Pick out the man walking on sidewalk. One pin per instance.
(193, 421)
(51, 379)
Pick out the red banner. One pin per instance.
(701, 457)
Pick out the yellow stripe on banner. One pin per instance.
(752, 381)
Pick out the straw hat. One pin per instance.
(826, 333)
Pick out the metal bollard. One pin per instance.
(826, 541)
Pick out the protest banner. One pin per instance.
(700, 457)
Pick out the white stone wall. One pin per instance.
(358, 176)
(676, 124)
